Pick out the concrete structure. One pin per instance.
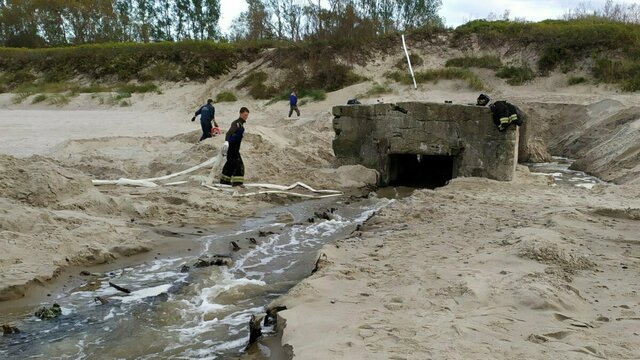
(424, 144)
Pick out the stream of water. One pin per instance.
(203, 313)
(199, 314)
(562, 175)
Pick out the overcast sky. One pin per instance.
(457, 12)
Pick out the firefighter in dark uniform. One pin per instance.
(207, 115)
(233, 170)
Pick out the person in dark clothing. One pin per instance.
(293, 103)
(505, 114)
(233, 170)
(207, 115)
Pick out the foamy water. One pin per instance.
(562, 175)
(203, 313)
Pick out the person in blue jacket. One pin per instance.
(233, 170)
(207, 115)
(293, 103)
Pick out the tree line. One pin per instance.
(296, 20)
(41, 23)
(48, 23)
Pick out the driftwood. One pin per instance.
(321, 258)
(101, 299)
(218, 260)
(271, 319)
(235, 245)
(255, 330)
(9, 329)
(119, 288)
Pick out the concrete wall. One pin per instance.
(368, 134)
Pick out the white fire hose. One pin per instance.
(216, 161)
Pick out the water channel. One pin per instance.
(199, 314)
(203, 313)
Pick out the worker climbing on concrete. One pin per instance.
(504, 113)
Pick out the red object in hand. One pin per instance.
(216, 131)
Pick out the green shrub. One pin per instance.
(488, 62)
(58, 99)
(39, 98)
(257, 89)
(632, 83)
(164, 70)
(473, 81)
(94, 88)
(574, 80)
(122, 95)
(20, 77)
(226, 96)
(315, 95)
(415, 59)
(332, 76)
(124, 61)
(626, 72)
(516, 75)
(376, 89)
(137, 88)
(552, 56)
(252, 79)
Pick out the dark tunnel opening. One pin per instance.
(420, 171)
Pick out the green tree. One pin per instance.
(51, 15)
(292, 17)
(257, 20)
(416, 13)
(20, 25)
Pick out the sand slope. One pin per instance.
(476, 269)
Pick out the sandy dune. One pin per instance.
(476, 269)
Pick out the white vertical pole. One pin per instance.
(404, 45)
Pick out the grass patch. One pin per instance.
(226, 96)
(487, 62)
(472, 80)
(314, 95)
(122, 95)
(561, 42)
(94, 88)
(39, 98)
(138, 88)
(516, 75)
(58, 99)
(257, 88)
(575, 80)
(122, 61)
(415, 59)
(624, 72)
(376, 89)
